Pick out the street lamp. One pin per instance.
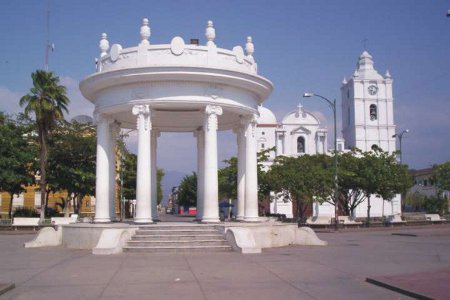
(333, 106)
(400, 137)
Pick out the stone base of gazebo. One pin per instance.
(112, 238)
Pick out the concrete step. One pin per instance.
(165, 243)
(179, 249)
(177, 237)
(178, 227)
(175, 231)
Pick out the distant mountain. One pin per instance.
(170, 179)
(83, 119)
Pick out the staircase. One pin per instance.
(180, 238)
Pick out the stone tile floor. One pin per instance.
(337, 271)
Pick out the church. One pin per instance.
(367, 121)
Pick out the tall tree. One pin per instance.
(48, 101)
(187, 191)
(380, 174)
(16, 157)
(72, 161)
(304, 180)
(442, 176)
(160, 174)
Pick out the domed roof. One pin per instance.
(266, 116)
(300, 117)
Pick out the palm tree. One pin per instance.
(48, 100)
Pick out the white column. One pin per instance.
(211, 191)
(112, 170)
(241, 174)
(251, 173)
(102, 182)
(154, 143)
(200, 135)
(143, 176)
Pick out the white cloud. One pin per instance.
(9, 100)
(78, 104)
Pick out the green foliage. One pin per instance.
(303, 179)
(443, 176)
(432, 204)
(187, 191)
(380, 174)
(436, 204)
(228, 179)
(16, 157)
(25, 212)
(264, 180)
(160, 175)
(128, 169)
(48, 100)
(72, 160)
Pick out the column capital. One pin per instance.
(102, 118)
(249, 123)
(212, 111)
(198, 131)
(156, 133)
(246, 119)
(143, 111)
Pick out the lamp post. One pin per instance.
(400, 137)
(333, 106)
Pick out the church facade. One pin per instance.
(367, 121)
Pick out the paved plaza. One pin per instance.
(337, 271)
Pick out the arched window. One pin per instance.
(301, 145)
(373, 112)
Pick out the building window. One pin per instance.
(262, 146)
(373, 112)
(263, 133)
(301, 145)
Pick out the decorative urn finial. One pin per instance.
(210, 33)
(145, 32)
(104, 45)
(387, 75)
(250, 47)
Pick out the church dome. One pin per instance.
(266, 116)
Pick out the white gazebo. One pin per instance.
(176, 87)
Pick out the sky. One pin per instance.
(299, 45)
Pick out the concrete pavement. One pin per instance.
(337, 271)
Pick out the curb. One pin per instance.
(398, 289)
(4, 287)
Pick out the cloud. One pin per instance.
(78, 104)
(9, 100)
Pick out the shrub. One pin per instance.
(26, 212)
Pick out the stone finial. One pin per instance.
(210, 34)
(344, 81)
(355, 74)
(249, 47)
(145, 32)
(387, 75)
(104, 45)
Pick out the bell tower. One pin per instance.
(367, 108)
